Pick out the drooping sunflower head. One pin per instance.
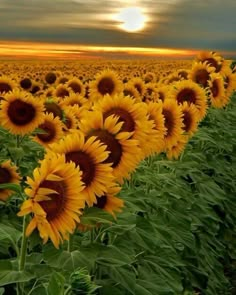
(20, 112)
(173, 122)
(53, 106)
(50, 130)
(8, 174)
(154, 111)
(190, 118)
(229, 82)
(217, 95)
(90, 155)
(200, 73)
(6, 85)
(55, 199)
(109, 202)
(177, 149)
(106, 82)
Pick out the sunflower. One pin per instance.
(50, 78)
(26, 83)
(139, 84)
(211, 58)
(76, 86)
(132, 114)
(106, 82)
(124, 154)
(162, 92)
(183, 73)
(130, 90)
(154, 111)
(176, 150)
(8, 174)
(229, 82)
(75, 99)
(52, 128)
(62, 91)
(20, 112)
(89, 154)
(108, 202)
(149, 77)
(216, 93)
(6, 85)
(35, 88)
(173, 122)
(190, 118)
(151, 93)
(53, 106)
(70, 120)
(190, 92)
(55, 199)
(200, 73)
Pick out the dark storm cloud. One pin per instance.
(209, 24)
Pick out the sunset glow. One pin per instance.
(31, 49)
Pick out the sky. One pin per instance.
(91, 28)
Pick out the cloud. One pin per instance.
(174, 23)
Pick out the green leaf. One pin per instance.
(56, 284)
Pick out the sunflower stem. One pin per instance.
(70, 243)
(23, 249)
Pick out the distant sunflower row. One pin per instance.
(96, 132)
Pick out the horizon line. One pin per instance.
(45, 49)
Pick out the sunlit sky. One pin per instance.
(92, 28)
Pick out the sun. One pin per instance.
(131, 19)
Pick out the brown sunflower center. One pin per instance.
(86, 164)
(21, 112)
(68, 122)
(138, 87)
(56, 204)
(50, 78)
(101, 202)
(161, 96)
(49, 130)
(128, 92)
(106, 85)
(226, 82)
(35, 89)
(202, 77)
(5, 87)
(187, 121)
(52, 107)
(124, 116)
(75, 87)
(25, 83)
(183, 74)
(113, 146)
(215, 89)
(62, 92)
(5, 175)
(186, 94)
(169, 122)
(63, 80)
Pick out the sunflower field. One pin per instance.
(118, 177)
